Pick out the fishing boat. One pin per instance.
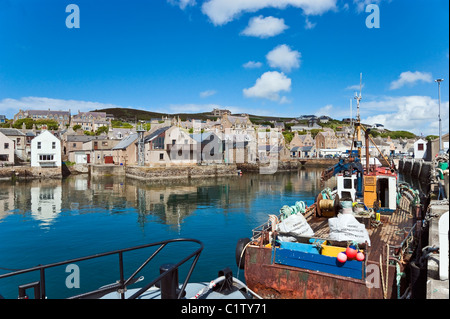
(354, 242)
(166, 285)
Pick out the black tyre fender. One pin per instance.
(240, 262)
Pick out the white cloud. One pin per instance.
(354, 87)
(285, 100)
(182, 3)
(264, 27)
(284, 58)
(409, 77)
(362, 4)
(327, 110)
(10, 106)
(252, 65)
(418, 114)
(309, 25)
(207, 93)
(223, 11)
(269, 85)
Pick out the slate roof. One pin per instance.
(11, 132)
(155, 134)
(126, 141)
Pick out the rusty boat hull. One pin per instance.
(384, 272)
(274, 281)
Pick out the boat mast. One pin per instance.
(358, 142)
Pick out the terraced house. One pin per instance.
(62, 117)
(91, 121)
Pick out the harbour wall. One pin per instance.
(159, 172)
(28, 172)
(177, 172)
(289, 165)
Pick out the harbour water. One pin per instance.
(46, 221)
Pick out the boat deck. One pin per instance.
(391, 231)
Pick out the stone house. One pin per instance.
(212, 147)
(6, 150)
(91, 121)
(301, 140)
(170, 145)
(19, 139)
(326, 139)
(235, 122)
(62, 117)
(100, 150)
(181, 147)
(126, 151)
(302, 151)
(154, 146)
(73, 144)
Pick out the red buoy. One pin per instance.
(351, 252)
(360, 256)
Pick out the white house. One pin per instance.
(46, 150)
(420, 148)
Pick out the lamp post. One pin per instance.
(440, 125)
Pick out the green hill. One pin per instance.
(133, 115)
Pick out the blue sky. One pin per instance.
(264, 57)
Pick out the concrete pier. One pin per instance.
(436, 288)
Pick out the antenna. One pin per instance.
(358, 98)
(358, 118)
(351, 113)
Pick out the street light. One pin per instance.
(440, 125)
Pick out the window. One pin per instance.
(347, 183)
(161, 156)
(46, 157)
(39, 145)
(420, 147)
(6, 146)
(158, 143)
(53, 145)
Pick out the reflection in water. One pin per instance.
(169, 202)
(45, 203)
(54, 220)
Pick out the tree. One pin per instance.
(288, 136)
(28, 123)
(101, 129)
(50, 124)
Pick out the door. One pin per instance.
(109, 160)
(370, 193)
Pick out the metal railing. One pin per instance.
(120, 286)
